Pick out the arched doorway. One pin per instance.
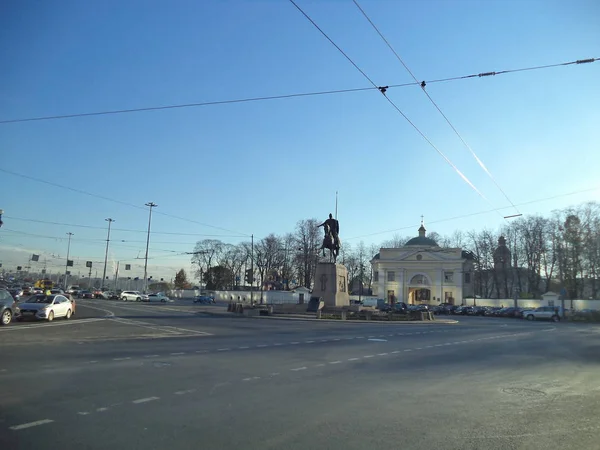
(419, 289)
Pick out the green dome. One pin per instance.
(422, 241)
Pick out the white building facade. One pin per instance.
(422, 272)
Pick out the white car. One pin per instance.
(133, 296)
(553, 313)
(159, 297)
(46, 307)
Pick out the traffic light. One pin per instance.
(249, 276)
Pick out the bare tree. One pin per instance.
(206, 253)
(396, 241)
(307, 241)
(268, 258)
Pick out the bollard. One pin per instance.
(390, 316)
(368, 315)
(319, 314)
(343, 314)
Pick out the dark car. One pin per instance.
(86, 294)
(492, 311)
(205, 299)
(8, 307)
(16, 293)
(400, 308)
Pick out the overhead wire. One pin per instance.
(487, 211)
(95, 227)
(383, 89)
(81, 191)
(286, 96)
(423, 86)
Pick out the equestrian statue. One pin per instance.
(331, 240)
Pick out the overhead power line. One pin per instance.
(383, 90)
(286, 96)
(119, 229)
(464, 216)
(80, 191)
(423, 85)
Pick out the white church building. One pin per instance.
(422, 272)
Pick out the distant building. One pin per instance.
(423, 272)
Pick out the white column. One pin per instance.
(440, 284)
(382, 277)
(458, 281)
(400, 293)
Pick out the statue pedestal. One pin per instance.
(331, 284)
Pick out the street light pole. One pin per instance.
(109, 220)
(150, 205)
(252, 270)
(67, 264)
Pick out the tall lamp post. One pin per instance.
(67, 264)
(109, 220)
(150, 205)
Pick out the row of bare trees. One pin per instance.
(549, 253)
(284, 261)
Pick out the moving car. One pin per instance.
(204, 299)
(553, 313)
(133, 296)
(8, 307)
(46, 307)
(86, 294)
(158, 297)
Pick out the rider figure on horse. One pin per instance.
(334, 229)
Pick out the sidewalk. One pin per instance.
(222, 312)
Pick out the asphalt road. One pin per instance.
(129, 376)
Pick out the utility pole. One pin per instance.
(252, 270)
(117, 276)
(109, 220)
(67, 264)
(150, 205)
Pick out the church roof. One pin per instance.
(422, 241)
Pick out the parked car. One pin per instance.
(492, 311)
(8, 307)
(553, 313)
(133, 296)
(461, 310)
(16, 293)
(86, 294)
(37, 291)
(46, 307)
(398, 307)
(158, 297)
(205, 299)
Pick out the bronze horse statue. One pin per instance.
(331, 243)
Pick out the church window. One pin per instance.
(376, 276)
(448, 277)
(467, 277)
(391, 276)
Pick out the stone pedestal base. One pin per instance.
(331, 284)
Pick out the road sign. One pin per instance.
(88, 264)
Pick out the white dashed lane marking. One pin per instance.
(122, 359)
(31, 424)
(298, 368)
(145, 400)
(177, 353)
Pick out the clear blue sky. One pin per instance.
(257, 168)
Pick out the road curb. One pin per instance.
(307, 319)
